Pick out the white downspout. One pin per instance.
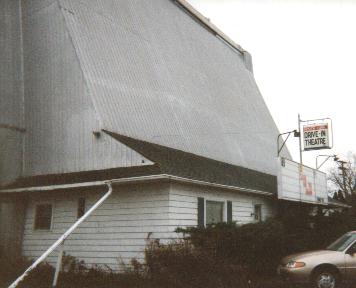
(63, 237)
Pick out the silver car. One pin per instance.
(323, 268)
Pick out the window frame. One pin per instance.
(260, 212)
(221, 205)
(81, 198)
(35, 214)
(224, 212)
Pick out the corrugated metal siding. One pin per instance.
(11, 95)
(10, 155)
(140, 68)
(12, 218)
(157, 75)
(183, 203)
(60, 116)
(115, 232)
(11, 90)
(33, 6)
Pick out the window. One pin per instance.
(258, 212)
(214, 212)
(211, 212)
(81, 207)
(43, 217)
(341, 243)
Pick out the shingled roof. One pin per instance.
(187, 165)
(167, 161)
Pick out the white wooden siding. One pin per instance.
(183, 201)
(116, 232)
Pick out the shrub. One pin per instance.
(257, 246)
(223, 255)
(41, 277)
(180, 265)
(11, 268)
(75, 275)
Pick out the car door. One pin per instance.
(350, 263)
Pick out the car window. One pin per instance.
(343, 242)
(353, 247)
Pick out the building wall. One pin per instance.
(145, 69)
(11, 115)
(115, 232)
(12, 218)
(183, 201)
(161, 66)
(11, 90)
(60, 114)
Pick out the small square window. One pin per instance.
(258, 212)
(81, 207)
(214, 212)
(43, 217)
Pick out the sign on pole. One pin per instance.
(316, 136)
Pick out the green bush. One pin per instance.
(223, 255)
(180, 265)
(75, 275)
(257, 247)
(11, 268)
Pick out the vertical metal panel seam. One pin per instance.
(22, 88)
(99, 119)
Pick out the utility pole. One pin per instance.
(343, 174)
(300, 143)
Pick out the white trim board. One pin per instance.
(136, 180)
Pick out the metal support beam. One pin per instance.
(279, 149)
(59, 265)
(328, 157)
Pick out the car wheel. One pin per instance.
(326, 279)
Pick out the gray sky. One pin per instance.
(304, 57)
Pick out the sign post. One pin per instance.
(297, 182)
(300, 142)
(315, 136)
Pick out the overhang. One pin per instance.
(169, 164)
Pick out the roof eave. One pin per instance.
(130, 180)
(207, 24)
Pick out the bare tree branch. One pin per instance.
(343, 181)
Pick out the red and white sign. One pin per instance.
(316, 136)
(301, 183)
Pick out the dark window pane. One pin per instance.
(258, 212)
(81, 207)
(214, 212)
(229, 211)
(201, 212)
(43, 217)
